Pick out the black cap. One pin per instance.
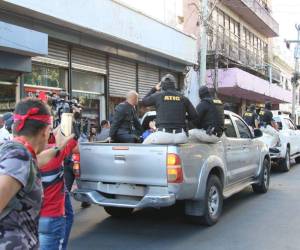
(203, 91)
(168, 82)
(252, 107)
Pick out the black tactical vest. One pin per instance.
(171, 110)
(213, 115)
(249, 118)
(219, 116)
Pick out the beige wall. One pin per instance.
(191, 13)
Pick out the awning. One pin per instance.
(241, 84)
(18, 45)
(21, 41)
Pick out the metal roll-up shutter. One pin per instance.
(58, 50)
(148, 78)
(122, 76)
(88, 58)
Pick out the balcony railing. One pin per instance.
(246, 55)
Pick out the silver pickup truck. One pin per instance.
(124, 177)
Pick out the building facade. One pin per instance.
(239, 58)
(282, 58)
(98, 50)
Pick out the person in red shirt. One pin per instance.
(52, 221)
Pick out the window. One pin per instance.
(88, 87)
(215, 16)
(227, 23)
(221, 18)
(289, 124)
(48, 76)
(242, 128)
(229, 128)
(87, 81)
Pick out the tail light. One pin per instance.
(174, 169)
(76, 165)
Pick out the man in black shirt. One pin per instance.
(266, 116)
(125, 127)
(251, 117)
(171, 109)
(210, 118)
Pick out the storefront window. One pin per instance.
(88, 88)
(8, 91)
(88, 82)
(47, 76)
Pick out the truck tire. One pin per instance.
(213, 203)
(297, 159)
(118, 212)
(285, 164)
(264, 179)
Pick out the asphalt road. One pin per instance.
(249, 222)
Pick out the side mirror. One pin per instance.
(258, 133)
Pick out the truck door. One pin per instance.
(233, 150)
(293, 134)
(248, 151)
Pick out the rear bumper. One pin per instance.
(149, 200)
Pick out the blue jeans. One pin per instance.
(51, 232)
(69, 220)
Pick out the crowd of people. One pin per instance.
(263, 119)
(36, 175)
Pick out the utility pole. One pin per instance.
(295, 83)
(296, 74)
(203, 43)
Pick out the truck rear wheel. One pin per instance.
(264, 179)
(213, 203)
(118, 212)
(285, 164)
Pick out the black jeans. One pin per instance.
(127, 138)
(69, 176)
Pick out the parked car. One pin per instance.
(288, 147)
(124, 177)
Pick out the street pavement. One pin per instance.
(249, 222)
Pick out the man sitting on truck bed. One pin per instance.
(210, 118)
(126, 127)
(171, 108)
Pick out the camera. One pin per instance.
(67, 114)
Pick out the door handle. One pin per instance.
(229, 148)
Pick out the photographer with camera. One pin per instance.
(68, 115)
